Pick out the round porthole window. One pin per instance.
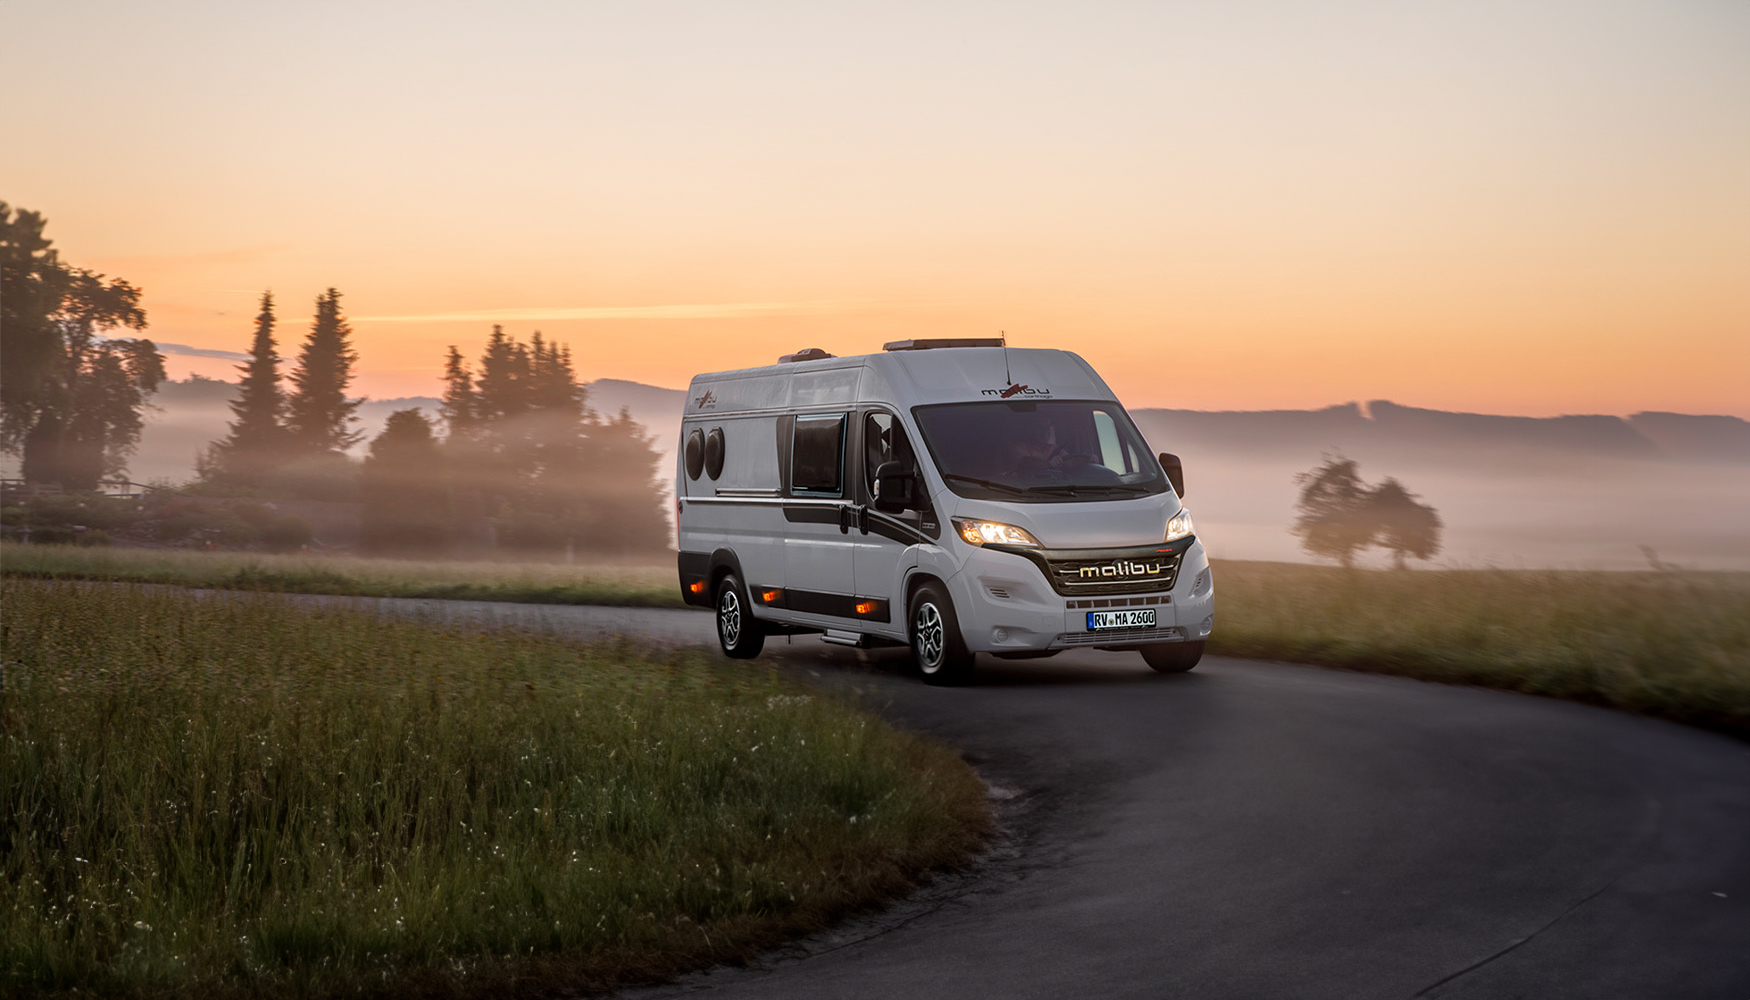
(695, 454)
(714, 453)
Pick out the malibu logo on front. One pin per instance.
(1123, 567)
(1017, 389)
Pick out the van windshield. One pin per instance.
(1039, 451)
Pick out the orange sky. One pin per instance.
(1516, 208)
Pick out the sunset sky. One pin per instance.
(1526, 207)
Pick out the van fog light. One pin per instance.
(1206, 627)
(1000, 635)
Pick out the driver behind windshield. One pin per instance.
(1032, 448)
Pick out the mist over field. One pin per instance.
(1583, 492)
(1514, 492)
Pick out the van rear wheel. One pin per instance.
(1173, 657)
(738, 632)
(936, 643)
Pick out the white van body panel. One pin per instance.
(826, 555)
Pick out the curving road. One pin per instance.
(1257, 830)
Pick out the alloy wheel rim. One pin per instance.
(729, 618)
(929, 637)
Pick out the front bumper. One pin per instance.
(1011, 600)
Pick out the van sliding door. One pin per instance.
(818, 511)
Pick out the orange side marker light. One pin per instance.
(770, 596)
(697, 586)
(865, 607)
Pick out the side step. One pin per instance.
(838, 637)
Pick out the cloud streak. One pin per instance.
(200, 352)
(723, 310)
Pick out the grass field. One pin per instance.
(642, 585)
(1675, 645)
(1671, 644)
(225, 794)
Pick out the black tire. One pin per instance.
(738, 632)
(1174, 657)
(936, 644)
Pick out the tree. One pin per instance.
(406, 503)
(1405, 526)
(257, 439)
(70, 398)
(1333, 519)
(1339, 514)
(528, 456)
(318, 414)
(458, 410)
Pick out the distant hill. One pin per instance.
(1384, 427)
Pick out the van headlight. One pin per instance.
(1180, 526)
(993, 533)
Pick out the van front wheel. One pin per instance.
(936, 644)
(738, 632)
(1173, 657)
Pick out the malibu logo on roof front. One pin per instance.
(1017, 389)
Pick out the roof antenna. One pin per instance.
(1004, 334)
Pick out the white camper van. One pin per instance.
(956, 496)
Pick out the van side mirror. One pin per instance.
(1175, 472)
(896, 488)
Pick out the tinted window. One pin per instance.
(817, 455)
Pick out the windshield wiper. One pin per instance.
(1077, 489)
(984, 482)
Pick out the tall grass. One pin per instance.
(1675, 645)
(230, 795)
(641, 585)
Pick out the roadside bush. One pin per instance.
(287, 533)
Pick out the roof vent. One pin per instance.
(925, 345)
(806, 354)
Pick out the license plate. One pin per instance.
(1141, 618)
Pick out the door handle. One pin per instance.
(844, 519)
(863, 518)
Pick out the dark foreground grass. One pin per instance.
(647, 585)
(229, 795)
(1674, 645)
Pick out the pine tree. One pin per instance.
(318, 412)
(460, 406)
(503, 382)
(257, 438)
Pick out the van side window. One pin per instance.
(817, 456)
(883, 441)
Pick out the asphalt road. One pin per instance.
(1257, 830)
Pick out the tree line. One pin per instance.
(516, 458)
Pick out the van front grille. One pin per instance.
(1123, 575)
